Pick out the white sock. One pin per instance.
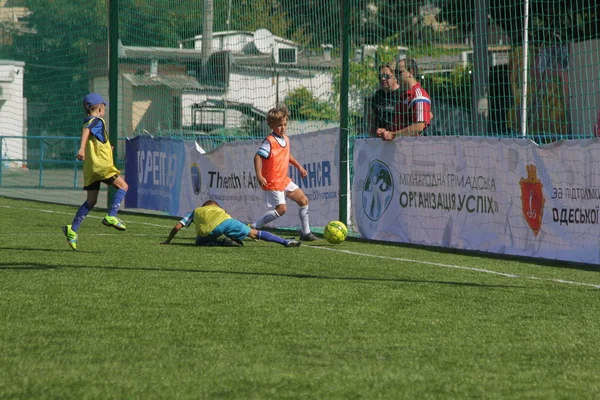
(271, 215)
(303, 213)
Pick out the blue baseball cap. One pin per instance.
(92, 99)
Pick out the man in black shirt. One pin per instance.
(382, 106)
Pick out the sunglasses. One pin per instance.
(384, 76)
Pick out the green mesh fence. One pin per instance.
(209, 71)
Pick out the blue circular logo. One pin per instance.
(378, 190)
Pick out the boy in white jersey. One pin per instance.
(271, 163)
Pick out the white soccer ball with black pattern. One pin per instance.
(335, 232)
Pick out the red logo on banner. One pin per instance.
(532, 199)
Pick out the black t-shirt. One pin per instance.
(383, 106)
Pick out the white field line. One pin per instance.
(86, 234)
(434, 264)
(72, 214)
(462, 267)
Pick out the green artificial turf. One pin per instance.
(124, 317)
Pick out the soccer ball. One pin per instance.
(335, 232)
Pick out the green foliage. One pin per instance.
(313, 22)
(304, 106)
(58, 35)
(250, 15)
(376, 21)
(565, 20)
(159, 23)
(54, 47)
(363, 77)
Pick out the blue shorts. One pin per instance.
(232, 228)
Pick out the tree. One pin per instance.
(162, 23)
(304, 106)
(54, 48)
(57, 42)
(398, 19)
(314, 22)
(251, 15)
(550, 21)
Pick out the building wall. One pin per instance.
(265, 88)
(151, 109)
(140, 108)
(261, 88)
(235, 41)
(12, 112)
(99, 84)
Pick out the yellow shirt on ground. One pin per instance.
(207, 218)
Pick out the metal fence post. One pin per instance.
(113, 82)
(344, 90)
(1, 160)
(41, 172)
(75, 165)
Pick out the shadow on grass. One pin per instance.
(25, 266)
(190, 244)
(46, 250)
(29, 266)
(22, 248)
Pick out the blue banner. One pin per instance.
(153, 172)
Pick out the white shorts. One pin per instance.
(277, 197)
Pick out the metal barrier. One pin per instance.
(49, 162)
(41, 154)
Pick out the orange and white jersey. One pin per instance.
(275, 154)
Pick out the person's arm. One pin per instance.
(258, 170)
(85, 135)
(412, 130)
(173, 232)
(299, 167)
(185, 221)
(421, 115)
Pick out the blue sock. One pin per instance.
(116, 203)
(269, 237)
(83, 211)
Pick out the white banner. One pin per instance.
(227, 175)
(495, 195)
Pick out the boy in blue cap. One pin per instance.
(211, 222)
(96, 153)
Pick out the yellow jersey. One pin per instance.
(207, 218)
(98, 164)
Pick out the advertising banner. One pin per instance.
(153, 169)
(227, 175)
(495, 195)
